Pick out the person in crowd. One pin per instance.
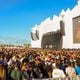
(24, 70)
(36, 72)
(57, 72)
(16, 73)
(70, 70)
(2, 71)
(77, 66)
(63, 66)
(43, 68)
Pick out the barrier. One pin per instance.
(66, 78)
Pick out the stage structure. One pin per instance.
(61, 31)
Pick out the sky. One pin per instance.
(17, 17)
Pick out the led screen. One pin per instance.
(76, 29)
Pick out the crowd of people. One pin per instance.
(28, 64)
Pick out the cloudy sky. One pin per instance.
(17, 17)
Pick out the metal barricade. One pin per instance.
(66, 78)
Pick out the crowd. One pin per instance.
(28, 64)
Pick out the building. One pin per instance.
(62, 31)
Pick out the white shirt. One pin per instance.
(58, 73)
(70, 71)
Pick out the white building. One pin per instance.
(66, 26)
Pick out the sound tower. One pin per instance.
(62, 27)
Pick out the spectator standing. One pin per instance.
(25, 75)
(57, 72)
(16, 73)
(70, 70)
(77, 67)
(2, 72)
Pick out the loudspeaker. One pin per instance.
(62, 27)
(34, 36)
(37, 34)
